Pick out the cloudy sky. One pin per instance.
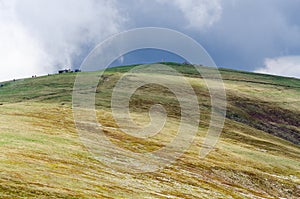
(41, 36)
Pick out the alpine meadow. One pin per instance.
(257, 154)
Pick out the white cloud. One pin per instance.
(20, 54)
(37, 35)
(200, 14)
(283, 66)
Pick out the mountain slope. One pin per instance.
(257, 156)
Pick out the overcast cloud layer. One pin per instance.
(40, 36)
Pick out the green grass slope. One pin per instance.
(257, 156)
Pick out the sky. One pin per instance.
(41, 36)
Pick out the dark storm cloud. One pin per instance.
(248, 32)
(244, 36)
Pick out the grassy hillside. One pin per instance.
(257, 156)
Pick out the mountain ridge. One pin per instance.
(257, 156)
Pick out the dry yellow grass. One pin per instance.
(42, 155)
